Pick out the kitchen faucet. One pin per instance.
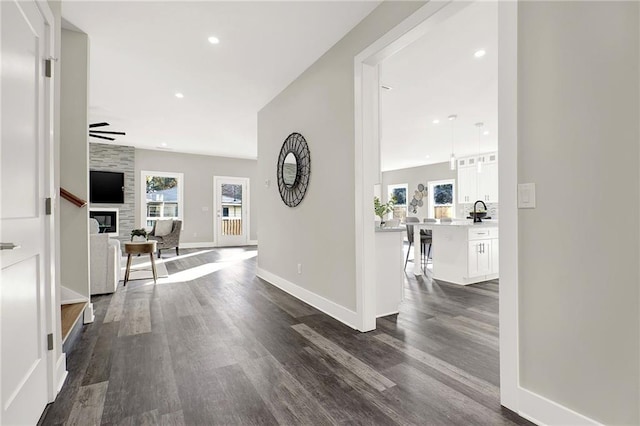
(475, 217)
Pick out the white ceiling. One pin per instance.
(142, 53)
(435, 77)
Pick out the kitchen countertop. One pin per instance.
(393, 229)
(490, 223)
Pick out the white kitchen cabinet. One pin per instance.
(467, 184)
(473, 186)
(479, 258)
(488, 183)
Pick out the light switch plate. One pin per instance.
(526, 195)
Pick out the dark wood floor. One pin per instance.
(225, 347)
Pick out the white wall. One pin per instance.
(578, 109)
(319, 233)
(74, 160)
(199, 171)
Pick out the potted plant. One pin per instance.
(139, 234)
(381, 209)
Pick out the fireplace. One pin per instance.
(107, 220)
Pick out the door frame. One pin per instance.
(56, 365)
(367, 172)
(246, 197)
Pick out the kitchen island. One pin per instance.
(463, 252)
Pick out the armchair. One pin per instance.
(169, 240)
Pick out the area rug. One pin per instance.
(141, 268)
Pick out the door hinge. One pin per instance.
(48, 68)
(50, 341)
(47, 206)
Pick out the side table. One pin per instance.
(142, 247)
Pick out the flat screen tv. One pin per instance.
(106, 187)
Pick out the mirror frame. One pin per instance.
(295, 144)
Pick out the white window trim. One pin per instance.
(143, 194)
(431, 205)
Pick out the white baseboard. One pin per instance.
(89, 317)
(61, 372)
(211, 244)
(205, 244)
(543, 411)
(342, 314)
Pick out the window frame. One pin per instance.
(143, 197)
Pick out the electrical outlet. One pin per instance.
(299, 268)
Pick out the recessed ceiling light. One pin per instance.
(486, 132)
(427, 156)
(436, 121)
(163, 144)
(213, 40)
(480, 53)
(179, 95)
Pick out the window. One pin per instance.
(399, 191)
(162, 197)
(441, 199)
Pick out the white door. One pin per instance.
(231, 198)
(23, 341)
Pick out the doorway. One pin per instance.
(231, 205)
(367, 166)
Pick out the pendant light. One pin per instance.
(479, 161)
(452, 159)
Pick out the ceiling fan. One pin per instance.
(100, 133)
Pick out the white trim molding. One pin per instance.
(543, 411)
(339, 312)
(61, 372)
(207, 244)
(212, 244)
(508, 224)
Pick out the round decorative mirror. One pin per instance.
(289, 170)
(294, 169)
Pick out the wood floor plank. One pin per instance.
(172, 419)
(359, 368)
(137, 318)
(114, 313)
(287, 399)
(142, 378)
(442, 366)
(452, 406)
(87, 408)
